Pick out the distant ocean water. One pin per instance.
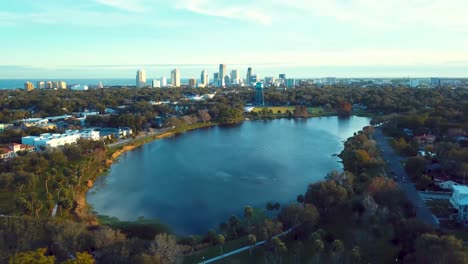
(19, 83)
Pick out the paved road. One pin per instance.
(394, 161)
(244, 248)
(142, 135)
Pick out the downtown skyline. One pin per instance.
(112, 38)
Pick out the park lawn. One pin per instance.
(275, 109)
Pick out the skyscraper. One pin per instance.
(222, 73)
(235, 76)
(40, 85)
(141, 78)
(259, 98)
(28, 86)
(175, 78)
(192, 82)
(248, 78)
(204, 78)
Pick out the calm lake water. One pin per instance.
(199, 179)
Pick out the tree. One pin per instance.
(32, 257)
(337, 249)
(248, 214)
(234, 224)
(81, 258)
(300, 199)
(345, 108)
(204, 115)
(252, 241)
(317, 248)
(433, 249)
(301, 111)
(220, 241)
(325, 195)
(165, 248)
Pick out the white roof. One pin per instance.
(461, 189)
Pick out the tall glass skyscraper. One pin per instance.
(222, 73)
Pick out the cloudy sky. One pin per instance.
(304, 38)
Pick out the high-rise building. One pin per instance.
(55, 85)
(175, 78)
(204, 78)
(100, 86)
(282, 76)
(141, 78)
(61, 85)
(192, 82)
(248, 78)
(226, 80)
(163, 82)
(259, 98)
(269, 80)
(40, 85)
(28, 86)
(235, 76)
(49, 85)
(222, 73)
(156, 84)
(290, 82)
(253, 79)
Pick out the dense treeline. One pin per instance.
(354, 216)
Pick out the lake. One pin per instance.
(196, 180)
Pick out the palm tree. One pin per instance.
(220, 241)
(252, 242)
(248, 214)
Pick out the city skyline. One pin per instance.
(338, 38)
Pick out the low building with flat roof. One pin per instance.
(459, 200)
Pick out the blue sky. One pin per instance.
(304, 38)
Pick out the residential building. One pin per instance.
(56, 140)
(141, 78)
(163, 82)
(13, 149)
(204, 78)
(193, 82)
(413, 83)
(156, 84)
(40, 85)
(459, 201)
(49, 85)
(28, 86)
(435, 81)
(61, 85)
(175, 78)
(33, 122)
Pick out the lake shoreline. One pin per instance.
(160, 136)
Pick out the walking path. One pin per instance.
(394, 161)
(245, 248)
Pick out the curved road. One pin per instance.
(394, 161)
(245, 248)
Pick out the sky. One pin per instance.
(303, 38)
